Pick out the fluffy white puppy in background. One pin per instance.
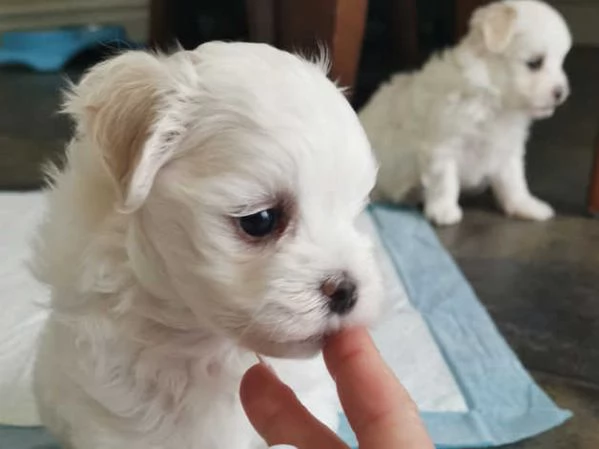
(206, 212)
(462, 121)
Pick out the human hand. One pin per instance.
(378, 408)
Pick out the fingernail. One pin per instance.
(264, 363)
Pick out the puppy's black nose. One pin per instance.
(342, 293)
(559, 93)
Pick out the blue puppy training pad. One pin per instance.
(50, 50)
(12, 437)
(503, 402)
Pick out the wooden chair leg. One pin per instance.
(261, 16)
(404, 29)
(162, 33)
(347, 40)
(593, 198)
(338, 24)
(463, 12)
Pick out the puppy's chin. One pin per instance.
(292, 349)
(542, 113)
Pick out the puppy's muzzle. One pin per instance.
(342, 293)
(560, 94)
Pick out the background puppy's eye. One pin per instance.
(261, 223)
(536, 63)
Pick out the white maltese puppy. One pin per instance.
(462, 121)
(206, 213)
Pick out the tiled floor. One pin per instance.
(539, 281)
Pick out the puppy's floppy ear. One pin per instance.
(118, 106)
(496, 22)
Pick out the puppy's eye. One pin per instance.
(261, 223)
(535, 64)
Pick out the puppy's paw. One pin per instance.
(443, 214)
(530, 208)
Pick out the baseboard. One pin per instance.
(42, 14)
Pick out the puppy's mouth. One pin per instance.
(543, 112)
(292, 349)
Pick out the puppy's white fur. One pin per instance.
(158, 299)
(462, 121)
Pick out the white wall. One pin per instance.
(29, 14)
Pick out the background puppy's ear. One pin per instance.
(497, 24)
(118, 106)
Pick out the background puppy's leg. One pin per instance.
(511, 189)
(441, 192)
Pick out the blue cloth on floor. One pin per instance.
(12, 437)
(504, 403)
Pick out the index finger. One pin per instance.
(378, 408)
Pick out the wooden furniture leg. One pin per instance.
(593, 198)
(404, 29)
(289, 24)
(338, 24)
(162, 34)
(261, 19)
(463, 12)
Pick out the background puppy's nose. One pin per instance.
(342, 293)
(559, 93)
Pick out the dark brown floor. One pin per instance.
(540, 282)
